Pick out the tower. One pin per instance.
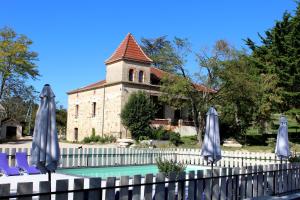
(128, 63)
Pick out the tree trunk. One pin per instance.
(263, 124)
(2, 86)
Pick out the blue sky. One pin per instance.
(73, 38)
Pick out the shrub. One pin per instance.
(167, 166)
(99, 139)
(294, 159)
(144, 138)
(160, 134)
(86, 140)
(175, 138)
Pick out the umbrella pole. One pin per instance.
(281, 174)
(211, 182)
(49, 179)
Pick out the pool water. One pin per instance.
(105, 172)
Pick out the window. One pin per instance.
(76, 111)
(141, 76)
(94, 109)
(76, 134)
(131, 75)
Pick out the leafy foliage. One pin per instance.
(237, 97)
(167, 166)
(278, 57)
(161, 52)
(294, 159)
(61, 120)
(17, 62)
(137, 114)
(177, 87)
(162, 134)
(98, 139)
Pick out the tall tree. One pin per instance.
(61, 120)
(178, 88)
(17, 61)
(278, 56)
(161, 51)
(137, 114)
(239, 94)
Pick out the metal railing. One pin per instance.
(181, 192)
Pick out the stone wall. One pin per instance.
(119, 71)
(110, 108)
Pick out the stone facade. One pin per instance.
(109, 100)
(97, 107)
(106, 118)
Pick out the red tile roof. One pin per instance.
(129, 50)
(157, 72)
(203, 88)
(160, 73)
(89, 87)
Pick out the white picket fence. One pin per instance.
(74, 157)
(222, 183)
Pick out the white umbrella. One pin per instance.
(211, 150)
(282, 149)
(45, 147)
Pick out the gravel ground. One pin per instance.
(27, 144)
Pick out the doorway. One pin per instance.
(76, 134)
(11, 132)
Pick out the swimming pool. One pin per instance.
(105, 172)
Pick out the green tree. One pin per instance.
(17, 61)
(178, 87)
(137, 114)
(61, 120)
(237, 100)
(278, 57)
(161, 51)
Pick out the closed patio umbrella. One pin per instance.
(282, 149)
(211, 150)
(45, 147)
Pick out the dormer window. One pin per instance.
(131, 75)
(141, 76)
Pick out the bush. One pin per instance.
(294, 159)
(167, 166)
(175, 138)
(86, 140)
(99, 139)
(162, 134)
(143, 138)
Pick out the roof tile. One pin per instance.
(129, 50)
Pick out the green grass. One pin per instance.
(189, 142)
(293, 125)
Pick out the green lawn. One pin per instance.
(293, 125)
(190, 142)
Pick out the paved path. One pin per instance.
(27, 144)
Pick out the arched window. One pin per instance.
(141, 76)
(131, 75)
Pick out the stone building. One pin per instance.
(10, 129)
(97, 107)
